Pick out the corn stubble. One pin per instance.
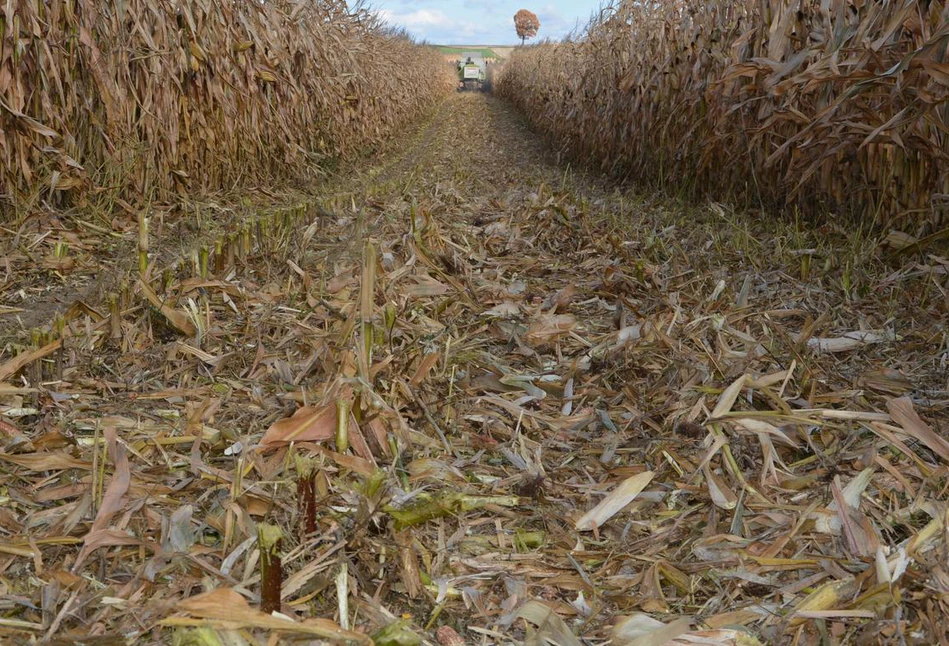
(820, 106)
(154, 97)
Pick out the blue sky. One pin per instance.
(482, 22)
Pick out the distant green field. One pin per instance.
(458, 51)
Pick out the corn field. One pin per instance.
(832, 106)
(143, 99)
(454, 392)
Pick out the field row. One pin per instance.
(826, 107)
(145, 100)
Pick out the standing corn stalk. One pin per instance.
(849, 114)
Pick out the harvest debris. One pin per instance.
(491, 446)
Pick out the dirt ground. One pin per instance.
(579, 415)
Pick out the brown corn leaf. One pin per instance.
(728, 397)
(902, 412)
(615, 501)
(307, 424)
(225, 604)
(549, 625)
(448, 636)
(45, 461)
(425, 366)
(12, 366)
(546, 328)
(178, 319)
(113, 500)
(886, 380)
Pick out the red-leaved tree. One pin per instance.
(526, 24)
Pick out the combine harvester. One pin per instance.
(472, 72)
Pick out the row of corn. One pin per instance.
(825, 106)
(147, 99)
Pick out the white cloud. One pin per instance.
(432, 24)
(555, 24)
(420, 19)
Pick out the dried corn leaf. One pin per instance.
(226, 605)
(12, 366)
(547, 328)
(551, 628)
(307, 424)
(615, 501)
(903, 413)
(178, 319)
(847, 342)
